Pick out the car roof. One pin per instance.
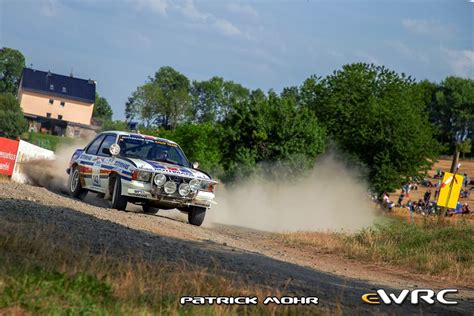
(139, 135)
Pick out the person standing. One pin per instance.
(401, 197)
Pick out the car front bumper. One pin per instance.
(146, 191)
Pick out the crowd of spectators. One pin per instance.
(427, 205)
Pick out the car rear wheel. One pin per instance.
(196, 215)
(148, 209)
(74, 184)
(119, 201)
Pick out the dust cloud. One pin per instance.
(332, 198)
(51, 174)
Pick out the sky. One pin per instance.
(260, 44)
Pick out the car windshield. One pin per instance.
(151, 149)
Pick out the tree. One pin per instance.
(102, 110)
(453, 111)
(12, 122)
(200, 142)
(164, 100)
(12, 63)
(213, 99)
(378, 117)
(270, 129)
(114, 126)
(464, 147)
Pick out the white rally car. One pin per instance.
(145, 170)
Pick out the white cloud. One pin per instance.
(460, 61)
(226, 28)
(408, 52)
(158, 6)
(242, 9)
(427, 27)
(190, 10)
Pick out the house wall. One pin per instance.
(73, 111)
(79, 132)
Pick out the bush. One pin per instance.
(12, 122)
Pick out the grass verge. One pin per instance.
(47, 141)
(427, 248)
(40, 274)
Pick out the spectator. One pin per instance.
(401, 197)
(427, 197)
(464, 193)
(465, 209)
(411, 207)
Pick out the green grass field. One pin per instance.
(46, 141)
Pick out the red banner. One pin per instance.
(8, 151)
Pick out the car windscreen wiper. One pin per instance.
(170, 161)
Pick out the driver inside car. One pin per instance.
(156, 153)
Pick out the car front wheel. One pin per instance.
(119, 201)
(148, 209)
(196, 215)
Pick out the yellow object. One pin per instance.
(450, 189)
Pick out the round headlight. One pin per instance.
(184, 189)
(170, 187)
(195, 184)
(159, 179)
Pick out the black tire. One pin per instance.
(148, 209)
(74, 184)
(196, 215)
(119, 201)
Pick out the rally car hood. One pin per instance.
(168, 168)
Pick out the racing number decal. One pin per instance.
(96, 172)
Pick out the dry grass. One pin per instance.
(39, 274)
(426, 248)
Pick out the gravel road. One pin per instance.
(252, 256)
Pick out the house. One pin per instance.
(57, 104)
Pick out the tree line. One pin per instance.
(386, 122)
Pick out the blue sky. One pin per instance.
(260, 44)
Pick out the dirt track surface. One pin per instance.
(254, 257)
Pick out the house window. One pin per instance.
(48, 114)
(63, 103)
(64, 90)
(51, 101)
(60, 117)
(51, 87)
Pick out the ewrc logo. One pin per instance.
(416, 296)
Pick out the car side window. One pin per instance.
(109, 140)
(92, 149)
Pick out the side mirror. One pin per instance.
(195, 165)
(114, 149)
(106, 151)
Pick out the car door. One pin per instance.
(105, 162)
(88, 161)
